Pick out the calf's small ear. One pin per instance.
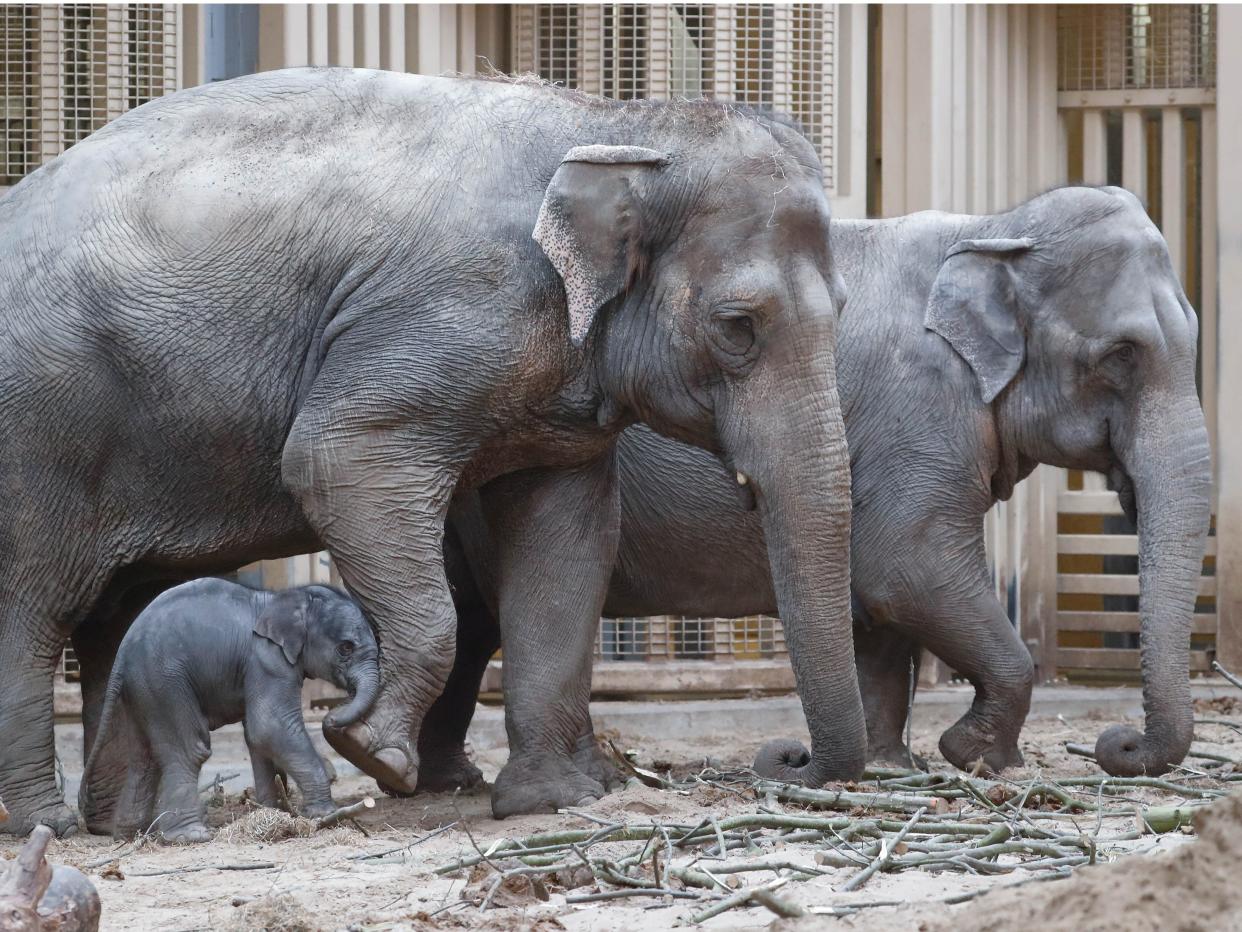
(283, 622)
(974, 305)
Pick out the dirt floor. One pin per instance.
(383, 878)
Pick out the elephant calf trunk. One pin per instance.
(363, 688)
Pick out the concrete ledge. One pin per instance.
(782, 716)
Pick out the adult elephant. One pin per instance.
(302, 309)
(972, 349)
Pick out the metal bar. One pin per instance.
(1114, 100)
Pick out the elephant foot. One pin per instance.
(592, 761)
(968, 747)
(57, 816)
(542, 784)
(895, 755)
(98, 805)
(443, 771)
(188, 833)
(317, 810)
(391, 761)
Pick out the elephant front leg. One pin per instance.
(556, 533)
(381, 515)
(976, 638)
(280, 747)
(887, 664)
(27, 739)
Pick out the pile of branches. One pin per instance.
(895, 820)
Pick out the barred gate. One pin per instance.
(775, 56)
(66, 70)
(1137, 105)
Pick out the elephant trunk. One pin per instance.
(804, 502)
(364, 683)
(1171, 474)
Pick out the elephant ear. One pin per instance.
(973, 305)
(283, 622)
(589, 226)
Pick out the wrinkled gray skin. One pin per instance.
(971, 349)
(210, 653)
(302, 309)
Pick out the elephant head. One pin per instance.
(322, 632)
(700, 286)
(1079, 335)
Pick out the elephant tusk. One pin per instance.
(741, 478)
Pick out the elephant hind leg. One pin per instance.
(135, 807)
(95, 643)
(444, 764)
(180, 743)
(886, 658)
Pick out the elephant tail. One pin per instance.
(112, 698)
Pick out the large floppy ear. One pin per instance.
(283, 622)
(973, 305)
(589, 226)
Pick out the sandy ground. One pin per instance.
(319, 882)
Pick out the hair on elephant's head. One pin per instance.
(1077, 330)
(323, 633)
(699, 282)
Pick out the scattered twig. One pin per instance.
(631, 891)
(217, 782)
(886, 855)
(1226, 674)
(254, 866)
(346, 812)
(414, 844)
(282, 794)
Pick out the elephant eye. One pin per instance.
(345, 648)
(738, 329)
(1123, 352)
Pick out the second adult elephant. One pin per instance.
(972, 349)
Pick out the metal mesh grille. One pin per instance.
(1116, 46)
(19, 40)
(67, 70)
(669, 637)
(771, 56)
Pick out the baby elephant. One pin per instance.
(211, 652)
